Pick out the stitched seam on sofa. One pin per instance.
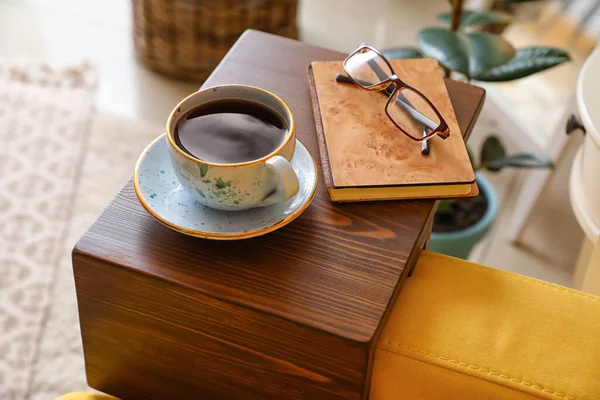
(528, 280)
(477, 368)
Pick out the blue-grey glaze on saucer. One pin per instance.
(165, 198)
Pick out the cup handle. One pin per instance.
(287, 178)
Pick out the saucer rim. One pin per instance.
(219, 236)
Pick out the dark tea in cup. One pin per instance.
(230, 131)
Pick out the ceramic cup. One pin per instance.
(257, 183)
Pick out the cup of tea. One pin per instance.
(231, 147)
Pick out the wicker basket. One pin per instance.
(187, 38)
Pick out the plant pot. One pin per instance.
(459, 243)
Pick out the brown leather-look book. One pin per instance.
(365, 157)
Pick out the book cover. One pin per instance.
(366, 157)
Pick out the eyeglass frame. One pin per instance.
(442, 130)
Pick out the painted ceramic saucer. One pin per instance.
(165, 199)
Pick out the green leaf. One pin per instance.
(521, 160)
(491, 150)
(450, 49)
(445, 206)
(400, 53)
(525, 62)
(446, 18)
(475, 18)
(487, 51)
(468, 53)
(485, 18)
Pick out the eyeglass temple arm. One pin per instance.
(382, 75)
(401, 101)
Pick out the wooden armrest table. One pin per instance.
(292, 314)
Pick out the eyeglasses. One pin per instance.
(406, 107)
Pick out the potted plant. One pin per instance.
(465, 49)
(459, 224)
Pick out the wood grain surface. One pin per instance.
(144, 339)
(295, 311)
(366, 149)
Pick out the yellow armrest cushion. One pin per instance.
(459, 330)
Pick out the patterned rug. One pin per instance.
(60, 165)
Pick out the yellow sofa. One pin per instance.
(464, 331)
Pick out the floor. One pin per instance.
(99, 31)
